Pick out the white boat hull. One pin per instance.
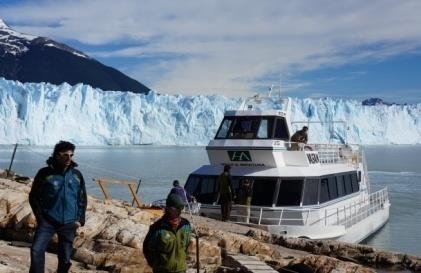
(351, 233)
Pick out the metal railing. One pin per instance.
(330, 153)
(347, 215)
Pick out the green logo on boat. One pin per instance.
(239, 155)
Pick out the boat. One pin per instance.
(318, 191)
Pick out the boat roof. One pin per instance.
(275, 172)
(255, 113)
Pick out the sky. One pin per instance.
(352, 49)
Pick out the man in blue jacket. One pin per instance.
(58, 200)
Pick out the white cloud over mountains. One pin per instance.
(226, 47)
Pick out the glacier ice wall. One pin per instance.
(42, 114)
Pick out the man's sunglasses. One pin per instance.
(65, 155)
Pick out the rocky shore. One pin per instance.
(111, 241)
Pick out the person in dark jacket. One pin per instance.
(299, 137)
(226, 193)
(58, 201)
(165, 245)
(177, 189)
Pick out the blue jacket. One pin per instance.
(59, 197)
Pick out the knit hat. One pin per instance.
(174, 200)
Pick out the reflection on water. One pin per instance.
(396, 167)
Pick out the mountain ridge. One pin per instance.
(30, 58)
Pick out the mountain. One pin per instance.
(42, 114)
(29, 58)
(375, 101)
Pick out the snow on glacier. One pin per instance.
(42, 114)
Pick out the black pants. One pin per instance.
(226, 205)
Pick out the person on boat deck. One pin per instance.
(166, 243)
(177, 189)
(299, 137)
(226, 193)
(58, 200)
(244, 196)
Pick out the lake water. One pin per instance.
(397, 167)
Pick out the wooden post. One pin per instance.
(197, 253)
(11, 161)
(132, 190)
(103, 188)
(131, 184)
(137, 190)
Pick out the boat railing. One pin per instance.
(330, 153)
(347, 215)
(355, 212)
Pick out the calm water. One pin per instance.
(397, 167)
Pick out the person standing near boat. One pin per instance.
(244, 196)
(165, 245)
(226, 193)
(58, 201)
(180, 191)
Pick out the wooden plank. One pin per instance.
(121, 182)
(102, 182)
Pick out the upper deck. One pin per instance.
(262, 139)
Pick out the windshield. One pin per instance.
(253, 127)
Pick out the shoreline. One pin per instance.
(112, 240)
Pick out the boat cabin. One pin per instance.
(280, 191)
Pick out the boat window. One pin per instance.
(290, 193)
(263, 191)
(245, 127)
(354, 182)
(265, 128)
(281, 129)
(348, 184)
(207, 185)
(208, 193)
(324, 191)
(333, 189)
(341, 185)
(311, 192)
(235, 182)
(224, 128)
(203, 188)
(192, 185)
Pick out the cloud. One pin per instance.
(226, 47)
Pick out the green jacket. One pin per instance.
(225, 184)
(165, 249)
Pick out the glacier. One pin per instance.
(43, 114)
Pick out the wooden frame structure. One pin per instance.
(133, 187)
